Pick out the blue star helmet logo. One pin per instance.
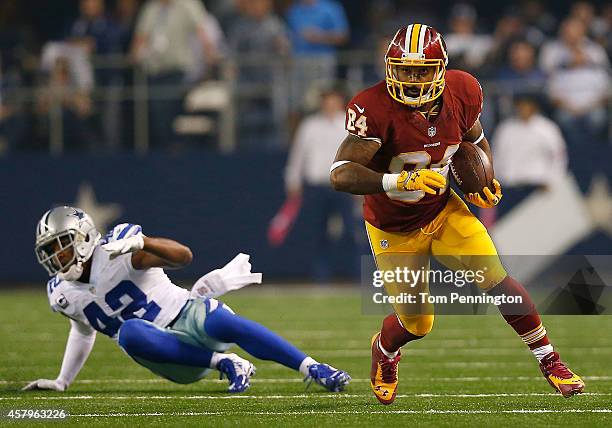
(78, 214)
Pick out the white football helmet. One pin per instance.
(67, 227)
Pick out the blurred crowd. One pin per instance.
(80, 72)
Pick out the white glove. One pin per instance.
(54, 385)
(234, 275)
(124, 246)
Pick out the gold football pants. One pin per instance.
(456, 238)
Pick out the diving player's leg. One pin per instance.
(464, 243)
(166, 355)
(224, 325)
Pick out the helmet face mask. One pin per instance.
(414, 93)
(420, 47)
(62, 230)
(48, 252)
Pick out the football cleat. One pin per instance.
(328, 377)
(560, 377)
(383, 374)
(237, 370)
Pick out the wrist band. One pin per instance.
(389, 182)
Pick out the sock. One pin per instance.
(216, 357)
(143, 339)
(524, 317)
(254, 338)
(305, 365)
(393, 335)
(542, 351)
(388, 354)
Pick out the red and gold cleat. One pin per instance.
(383, 374)
(560, 377)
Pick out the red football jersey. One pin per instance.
(409, 141)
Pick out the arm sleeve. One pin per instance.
(80, 342)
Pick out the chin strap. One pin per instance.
(73, 273)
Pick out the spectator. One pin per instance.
(317, 28)
(536, 16)
(258, 30)
(467, 49)
(529, 149)
(125, 15)
(601, 28)
(257, 38)
(98, 35)
(307, 174)
(561, 53)
(521, 74)
(126, 12)
(163, 46)
(65, 98)
(79, 67)
(12, 121)
(508, 29)
(584, 11)
(204, 64)
(15, 35)
(93, 30)
(579, 83)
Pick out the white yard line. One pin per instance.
(281, 397)
(348, 412)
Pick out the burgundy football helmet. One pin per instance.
(417, 45)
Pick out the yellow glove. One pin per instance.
(426, 180)
(492, 198)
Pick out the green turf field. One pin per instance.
(470, 371)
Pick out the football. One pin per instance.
(472, 169)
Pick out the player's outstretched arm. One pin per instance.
(80, 342)
(233, 276)
(161, 252)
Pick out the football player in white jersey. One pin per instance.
(116, 285)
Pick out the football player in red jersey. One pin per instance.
(403, 132)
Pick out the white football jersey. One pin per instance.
(117, 292)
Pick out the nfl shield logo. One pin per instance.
(384, 244)
(431, 131)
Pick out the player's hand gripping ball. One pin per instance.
(473, 173)
(492, 199)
